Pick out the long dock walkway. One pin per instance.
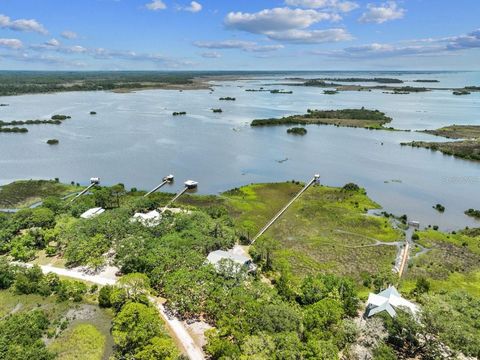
(280, 213)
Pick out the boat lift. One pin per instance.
(189, 185)
(93, 181)
(166, 180)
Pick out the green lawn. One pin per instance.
(452, 263)
(325, 230)
(82, 341)
(24, 193)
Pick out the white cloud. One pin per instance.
(277, 19)
(52, 43)
(343, 6)
(193, 7)
(312, 36)
(22, 25)
(11, 43)
(410, 48)
(385, 12)
(237, 44)
(67, 34)
(156, 5)
(77, 49)
(211, 55)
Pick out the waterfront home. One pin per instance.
(152, 218)
(222, 259)
(388, 300)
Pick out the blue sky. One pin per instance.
(239, 34)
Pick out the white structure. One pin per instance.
(90, 213)
(190, 184)
(151, 218)
(169, 178)
(388, 300)
(95, 180)
(221, 258)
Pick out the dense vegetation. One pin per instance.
(303, 302)
(217, 110)
(227, 98)
(426, 81)
(461, 92)
(55, 119)
(330, 92)
(346, 117)
(53, 142)
(177, 113)
(473, 213)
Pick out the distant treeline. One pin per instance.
(355, 79)
(26, 82)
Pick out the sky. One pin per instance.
(239, 35)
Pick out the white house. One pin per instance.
(220, 258)
(388, 300)
(151, 218)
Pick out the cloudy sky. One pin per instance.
(239, 34)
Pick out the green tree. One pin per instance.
(134, 326)
(7, 274)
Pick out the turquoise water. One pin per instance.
(135, 140)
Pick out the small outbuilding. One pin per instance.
(219, 258)
(387, 300)
(152, 218)
(90, 213)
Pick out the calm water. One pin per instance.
(133, 139)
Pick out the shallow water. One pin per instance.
(135, 140)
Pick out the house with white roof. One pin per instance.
(388, 300)
(149, 219)
(90, 213)
(222, 258)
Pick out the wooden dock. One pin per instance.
(280, 213)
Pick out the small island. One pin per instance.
(359, 118)
(14, 129)
(53, 142)
(426, 81)
(217, 110)
(177, 113)
(227, 98)
(60, 117)
(297, 131)
(276, 91)
(473, 213)
(461, 92)
(93, 113)
(330, 92)
(376, 80)
(439, 208)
